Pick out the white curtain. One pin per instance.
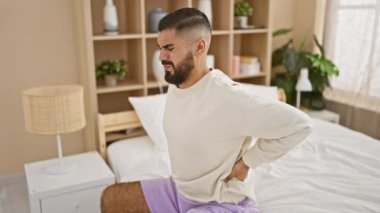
(352, 41)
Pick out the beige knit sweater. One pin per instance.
(210, 125)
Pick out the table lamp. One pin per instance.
(54, 110)
(303, 85)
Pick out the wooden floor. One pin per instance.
(13, 194)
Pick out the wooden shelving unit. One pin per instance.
(136, 45)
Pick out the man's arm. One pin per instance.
(279, 127)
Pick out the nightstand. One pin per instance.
(324, 115)
(78, 191)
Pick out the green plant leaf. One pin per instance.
(290, 60)
(282, 31)
(109, 67)
(325, 66)
(287, 82)
(320, 47)
(278, 54)
(242, 8)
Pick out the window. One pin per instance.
(352, 41)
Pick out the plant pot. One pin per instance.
(241, 22)
(111, 80)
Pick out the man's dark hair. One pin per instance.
(184, 19)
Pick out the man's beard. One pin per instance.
(181, 72)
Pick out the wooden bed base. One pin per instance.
(113, 122)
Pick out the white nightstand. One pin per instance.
(324, 115)
(79, 191)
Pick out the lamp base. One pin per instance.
(60, 168)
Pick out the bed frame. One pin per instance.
(110, 126)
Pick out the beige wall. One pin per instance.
(305, 17)
(282, 17)
(37, 47)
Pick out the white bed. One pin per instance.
(334, 170)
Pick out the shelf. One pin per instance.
(126, 85)
(153, 84)
(220, 32)
(244, 76)
(214, 32)
(116, 37)
(151, 35)
(249, 31)
(136, 45)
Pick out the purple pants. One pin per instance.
(162, 197)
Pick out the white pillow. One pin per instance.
(269, 92)
(150, 110)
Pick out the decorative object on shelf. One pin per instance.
(154, 18)
(206, 7)
(287, 62)
(158, 70)
(236, 65)
(303, 85)
(111, 71)
(110, 19)
(210, 61)
(249, 65)
(242, 10)
(54, 110)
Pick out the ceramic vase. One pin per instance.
(154, 19)
(110, 19)
(206, 7)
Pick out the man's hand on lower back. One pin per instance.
(240, 171)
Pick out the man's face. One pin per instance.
(176, 56)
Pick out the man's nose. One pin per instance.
(163, 55)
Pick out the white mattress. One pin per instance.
(136, 159)
(334, 170)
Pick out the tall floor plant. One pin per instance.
(287, 62)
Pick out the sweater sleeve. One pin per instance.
(278, 126)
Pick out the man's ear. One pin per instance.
(199, 47)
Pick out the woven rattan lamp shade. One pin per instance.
(53, 110)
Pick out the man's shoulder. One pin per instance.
(224, 82)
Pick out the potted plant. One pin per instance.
(242, 10)
(111, 71)
(287, 62)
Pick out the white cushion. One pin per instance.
(269, 92)
(150, 110)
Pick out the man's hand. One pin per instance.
(240, 171)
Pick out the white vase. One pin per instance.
(110, 19)
(158, 68)
(206, 7)
(155, 17)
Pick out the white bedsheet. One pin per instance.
(334, 170)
